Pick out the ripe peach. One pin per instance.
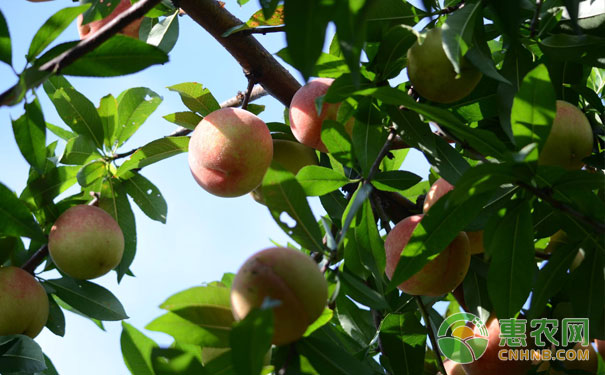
(283, 274)
(453, 368)
(600, 347)
(570, 139)
(86, 242)
(490, 363)
(433, 75)
(23, 303)
(229, 152)
(438, 189)
(304, 121)
(440, 275)
(574, 366)
(90, 28)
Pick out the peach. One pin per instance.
(570, 138)
(453, 368)
(433, 75)
(439, 188)
(132, 30)
(440, 275)
(305, 122)
(291, 155)
(23, 303)
(283, 274)
(600, 347)
(229, 152)
(490, 363)
(574, 366)
(86, 242)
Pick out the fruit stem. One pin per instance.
(32, 263)
(251, 83)
(431, 333)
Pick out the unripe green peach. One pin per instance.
(86, 242)
(433, 75)
(570, 138)
(23, 303)
(229, 152)
(283, 274)
(304, 121)
(291, 155)
(132, 30)
(440, 275)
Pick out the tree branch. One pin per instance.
(248, 52)
(32, 263)
(264, 30)
(55, 65)
(251, 83)
(534, 20)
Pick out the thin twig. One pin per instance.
(32, 263)
(257, 92)
(123, 154)
(429, 328)
(264, 30)
(251, 83)
(534, 20)
(383, 152)
(542, 255)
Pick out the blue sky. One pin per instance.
(204, 235)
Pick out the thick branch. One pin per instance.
(248, 52)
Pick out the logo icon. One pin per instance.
(457, 339)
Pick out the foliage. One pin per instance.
(529, 55)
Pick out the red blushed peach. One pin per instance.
(304, 120)
(132, 30)
(453, 368)
(289, 276)
(438, 189)
(490, 363)
(600, 347)
(23, 303)
(579, 366)
(86, 242)
(439, 276)
(229, 152)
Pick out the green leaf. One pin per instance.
(136, 350)
(585, 49)
(369, 243)
(324, 318)
(368, 140)
(357, 323)
(533, 109)
(6, 54)
(52, 28)
(165, 33)
(316, 180)
(284, 196)
(391, 57)
(395, 180)
(90, 299)
(92, 172)
(134, 107)
(196, 97)
(147, 196)
(43, 189)
(359, 197)
(328, 357)
(66, 135)
(272, 12)
(196, 325)
(403, 340)
(80, 150)
(15, 219)
(458, 32)
(56, 318)
(338, 142)
(20, 354)
(108, 112)
(355, 288)
(153, 152)
(30, 134)
(588, 297)
(211, 297)
(75, 109)
(509, 240)
(306, 23)
(182, 360)
(118, 56)
(250, 340)
(551, 278)
(187, 120)
(116, 203)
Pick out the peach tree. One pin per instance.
(505, 100)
